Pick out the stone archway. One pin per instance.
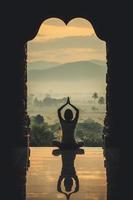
(105, 21)
(40, 33)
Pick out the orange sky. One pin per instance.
(60, 43)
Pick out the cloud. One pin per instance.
(67, 49)
(66, 55)
(60, 43)
(48, 31)
(80, 22)
(54, 22)
(68, 42)
(75, 22)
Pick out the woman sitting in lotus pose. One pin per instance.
(68, 125)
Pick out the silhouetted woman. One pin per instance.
(68, 125)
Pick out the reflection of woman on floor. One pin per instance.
(68, 124)
(68, 174)
(68, 183)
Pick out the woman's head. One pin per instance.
(68, 183)
(68, 115)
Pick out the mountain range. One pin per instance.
(41, 65)
(75, 71)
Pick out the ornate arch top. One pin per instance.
(37, 24)
(66, 23)
(26, 18)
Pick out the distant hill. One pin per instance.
(99, 62)
(76, 71)
(41, 65)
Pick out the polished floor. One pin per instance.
(43, 182)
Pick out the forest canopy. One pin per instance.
(42, 134)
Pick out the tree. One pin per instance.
(95, 96)
(38, 119)
(90, 132)
(41, 136)
(101, 100)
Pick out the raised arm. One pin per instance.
(77, 183)
(76, 109)
(59, 110)
(59, 184)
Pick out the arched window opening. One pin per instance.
(66, 61)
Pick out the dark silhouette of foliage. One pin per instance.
(90, 132)
(101, 100)
(38, 119)
(95, 96)
(48, 101)
(42, 134)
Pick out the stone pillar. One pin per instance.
(111, 147)
(117, 130)
(14, 121)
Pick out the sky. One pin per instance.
(56, 42)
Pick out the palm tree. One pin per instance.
(95, 96)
